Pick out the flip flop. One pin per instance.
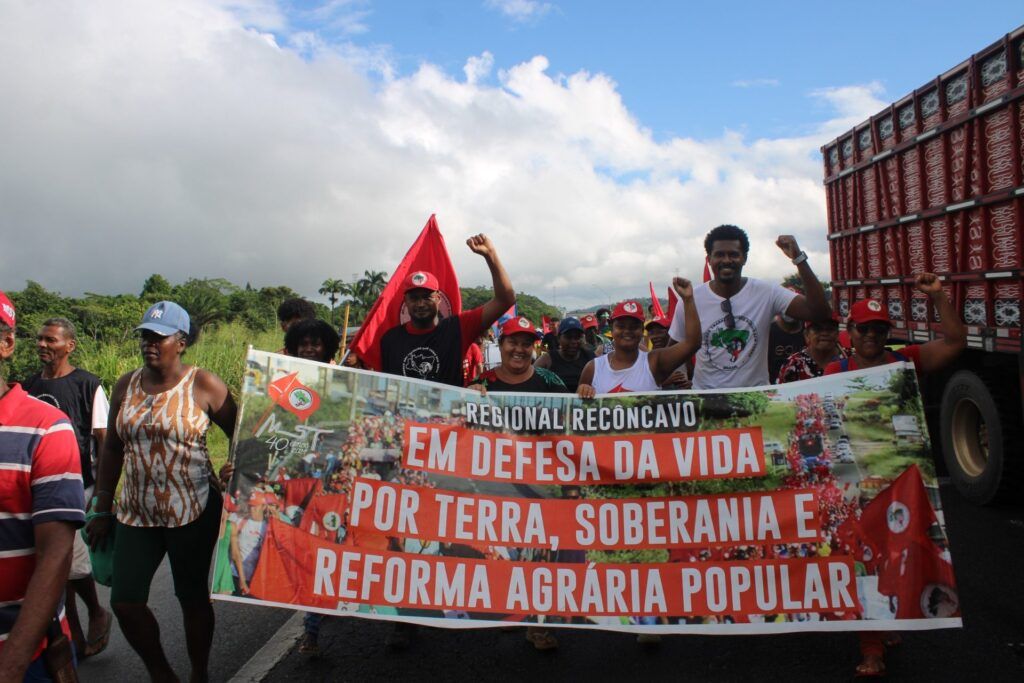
(865, 670)
(99, 644)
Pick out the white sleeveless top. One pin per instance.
(637, 377)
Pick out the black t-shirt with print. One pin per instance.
(435, 354)
(73, 395)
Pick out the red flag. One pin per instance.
(658, 311)
(546, 326)
(427, 253)
(283, 572)
(294, 396)
(922, 582)
(707, 270)
(296, 491)
(898, 516)
(672, 301)
(325, 515)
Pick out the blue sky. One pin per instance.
(694, 69)
(286, 142)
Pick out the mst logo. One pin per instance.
(421, 362)
(728, 348)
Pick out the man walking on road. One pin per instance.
(736, 312)
(42, 507)
(80, 396)
(432, 348)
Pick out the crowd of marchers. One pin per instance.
(140, 458)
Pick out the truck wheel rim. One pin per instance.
(970, 438)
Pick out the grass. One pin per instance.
(221, 350)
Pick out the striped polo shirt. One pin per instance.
(40, 481)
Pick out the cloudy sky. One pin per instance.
(289, 142)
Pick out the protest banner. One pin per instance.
(785, 508)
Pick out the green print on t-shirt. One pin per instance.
(733, 341)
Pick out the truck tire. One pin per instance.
(978, 430)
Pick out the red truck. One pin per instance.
(935, 182)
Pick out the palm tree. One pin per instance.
(372, 284)
(332, 289)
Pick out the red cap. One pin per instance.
(628, 309)
(662, 320)
(421, 279)
(7, 311)
(868, 310)
(517, 325)
(589, 321)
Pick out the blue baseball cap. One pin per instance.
(165, 318)
(569, 324)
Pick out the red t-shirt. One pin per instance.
(912, 353)
(471, 363)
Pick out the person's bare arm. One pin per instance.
(108, 469)
(220, 406)
(938, 353)
(585, 389)
(504, 294)
(812, 305)
(665, 361)
(53, 561)
(544, 361)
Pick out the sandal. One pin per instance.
(96, 645)
(871, 667)
(542, 639)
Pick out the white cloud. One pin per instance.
(521, 10)
(757, 83)
(181, 138)
(478, 68)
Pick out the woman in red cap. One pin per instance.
(869, 327)
(822, 347)
(630, 368)
(657, 335)
(518, 374)
(517, 371)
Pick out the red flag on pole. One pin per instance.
(707, 270)
(294, 396)
(658, 310)
(428, 253)
(325, 515)
(899, 515)
(546, 326)
(672, 301)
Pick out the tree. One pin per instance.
(155, 288)
(332, 288)
(205, 299)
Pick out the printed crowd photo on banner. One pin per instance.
(806, 506)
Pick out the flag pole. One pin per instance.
(344, 334)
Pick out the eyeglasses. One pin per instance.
(824, 327)
(730, 321)
(878, 328)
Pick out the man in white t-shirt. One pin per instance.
(736, 312)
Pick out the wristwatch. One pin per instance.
(800, 258)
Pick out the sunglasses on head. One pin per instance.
(879, 328)
(730, 321)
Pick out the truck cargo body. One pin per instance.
(936, 183)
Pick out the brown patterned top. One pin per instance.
(166, 464)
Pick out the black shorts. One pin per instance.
(139, 550)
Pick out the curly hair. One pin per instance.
(727, 233)
(290, 309)
(318, 329)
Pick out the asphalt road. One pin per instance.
(988, 554)
(241, 631)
